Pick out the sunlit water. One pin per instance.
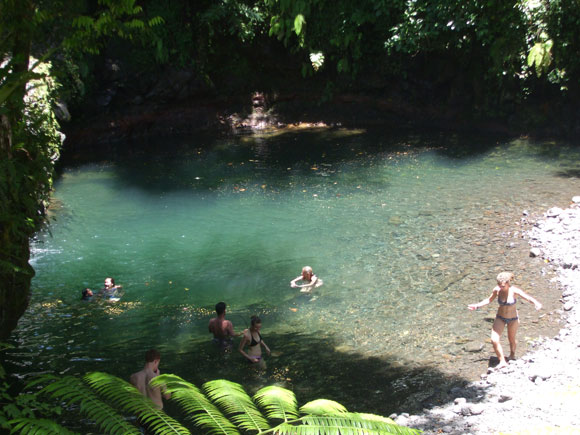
(404, 231)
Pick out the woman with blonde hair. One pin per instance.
(507, 314)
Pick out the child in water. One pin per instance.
(309, 281)
(506, 314)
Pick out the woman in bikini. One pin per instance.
(253, 339)
(507, 314)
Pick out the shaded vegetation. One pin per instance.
(220, 406)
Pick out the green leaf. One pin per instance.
(322, 406)
(234, 401)
(299, 22)
(38, 426)
(277, 402)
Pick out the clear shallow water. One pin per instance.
(405, 232)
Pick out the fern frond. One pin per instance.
(277, 402)
(42, 426)
(322, 407)
(234, 401)
(199, 409)
(351, 422)
(71, 390)
(130, 400)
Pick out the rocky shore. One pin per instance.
(540, 391)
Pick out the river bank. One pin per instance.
(538, 393)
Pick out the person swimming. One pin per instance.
(309, 281)
(87, 294)
(111, 291)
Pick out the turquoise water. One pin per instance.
(404, 230)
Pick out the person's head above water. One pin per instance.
(87, 293)
(505, 278)
(109, 282)
(220, 308)
(307, 272)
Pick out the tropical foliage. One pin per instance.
(29, 136)
(218, 407)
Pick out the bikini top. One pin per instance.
(504, 303)
(254, 342)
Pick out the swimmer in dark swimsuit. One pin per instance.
(506, 314)
(253, 339)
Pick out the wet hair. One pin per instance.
(254, 320)
(151, 355)
(220, 308)
(87, 293)
(307, 269)
(505, 277)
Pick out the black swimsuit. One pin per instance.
(254, 342)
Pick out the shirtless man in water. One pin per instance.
(507, 314)
(222, 329)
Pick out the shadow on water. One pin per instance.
(313, 364)
(315, 367)
(204, 163)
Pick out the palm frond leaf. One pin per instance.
(351, 423)
(203, 413)
(277, 403)
(232, 399)
(130, 400)
(71, 390)
(25, 426)
(322, 407)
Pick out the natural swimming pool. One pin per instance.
(405, 229)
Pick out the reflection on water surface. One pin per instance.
(404, 231)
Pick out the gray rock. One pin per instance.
(477, 409)
(401, 420)
(554, 212)
(474, 347)
(504, 398)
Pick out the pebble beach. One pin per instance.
(540, 391)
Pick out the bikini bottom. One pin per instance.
(507, 321)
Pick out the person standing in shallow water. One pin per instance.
(222, 329)
(507, 314)
(253, 339)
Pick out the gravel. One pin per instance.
(539, 392)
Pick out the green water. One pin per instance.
(405, 230)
